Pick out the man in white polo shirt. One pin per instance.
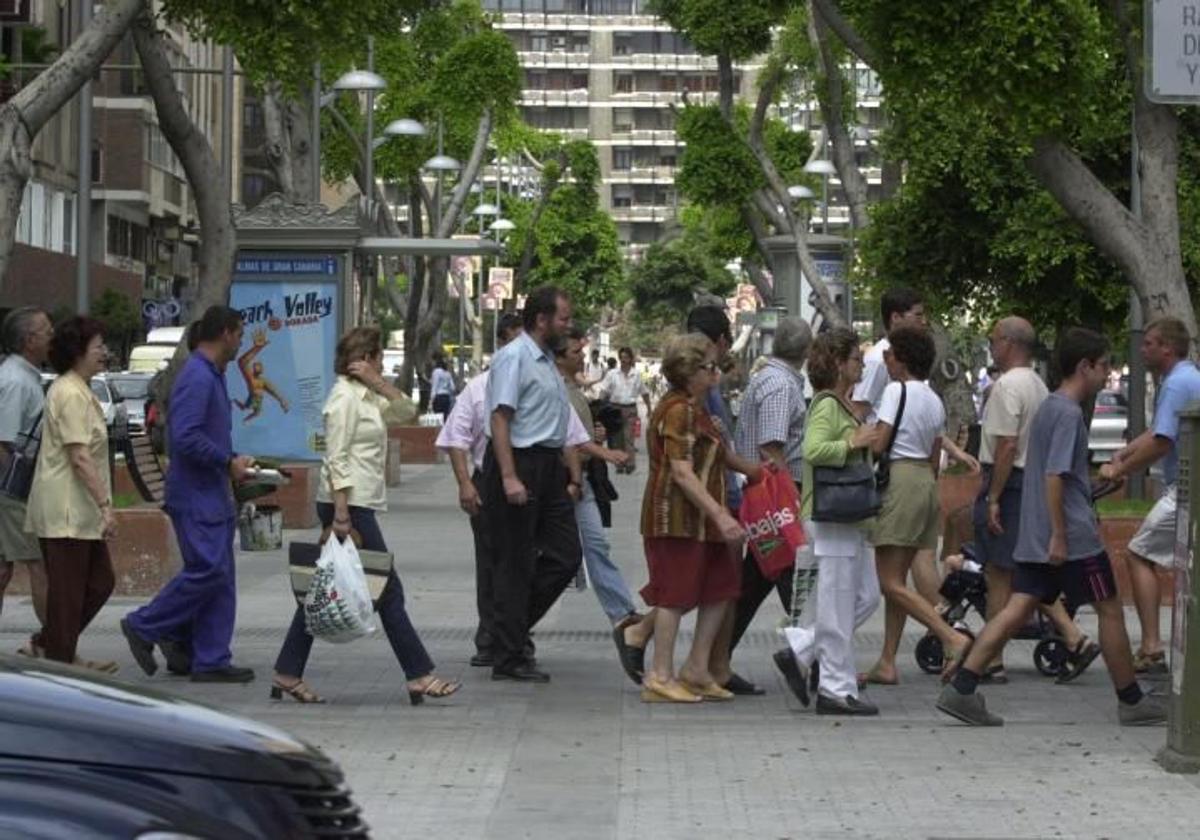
(622, 387)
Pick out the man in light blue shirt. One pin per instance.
(531, 481)
(1165, 349)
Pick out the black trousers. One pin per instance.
(484, 633)
(535, 546)
(755, 589)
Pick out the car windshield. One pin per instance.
(99, 390)
(132, 388)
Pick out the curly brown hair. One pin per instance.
(358, 344)
(682, 357)
(829, 351)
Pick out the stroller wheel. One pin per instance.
(929, 654)
(1050, 656)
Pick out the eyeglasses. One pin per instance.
(711, 367)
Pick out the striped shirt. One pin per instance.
(680, 430)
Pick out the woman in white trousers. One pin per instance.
(847, 586)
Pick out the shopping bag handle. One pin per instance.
(328, 532)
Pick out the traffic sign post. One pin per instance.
(1172, 51)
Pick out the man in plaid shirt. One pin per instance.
(771, 428)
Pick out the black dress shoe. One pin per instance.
(742, 687)
(847, 705)
(228, 674)
(794, 673)
(483, 659)
(178, 656)
(142, 649)
(523, 672)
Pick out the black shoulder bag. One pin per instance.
(16, 478)
(845, 494)
(883, 467)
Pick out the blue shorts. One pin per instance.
(1086, 581)
(997, 549)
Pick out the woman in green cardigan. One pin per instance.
(847, 587)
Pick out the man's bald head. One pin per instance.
(1012, 342)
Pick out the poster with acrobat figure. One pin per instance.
(258, 385)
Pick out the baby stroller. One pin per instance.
(965, 588)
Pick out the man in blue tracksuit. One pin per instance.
(192, 618)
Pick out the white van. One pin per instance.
(165, 335)
(150, 358)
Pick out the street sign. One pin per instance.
(1173, 51)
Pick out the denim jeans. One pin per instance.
(606, 578)
(406, 644)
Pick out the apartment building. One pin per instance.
(611, 72)
(143, 223)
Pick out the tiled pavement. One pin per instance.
(583, 758)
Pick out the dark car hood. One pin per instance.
(55, 713)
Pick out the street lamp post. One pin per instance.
(499, 228)
(824, 168)
(440, 164)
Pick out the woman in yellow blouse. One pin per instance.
(70, 503)
(358, 411)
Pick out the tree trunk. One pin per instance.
(778, 190)
(549, 185)
(288, 125)
(210, 190)
(948, 379)
(832, 16)
(832, 99)
(23, 116)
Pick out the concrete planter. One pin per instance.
(297, 499)
(417, 444)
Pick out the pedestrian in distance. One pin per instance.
(531, 480)
(770, 427)
(1165, 350)
(26, 334)
(463, 438)
(1013, 399)
(1059, 550)
(693, 544)
(351, 491)
(623, 387)
(192, 617)
(70, 503)
(441, 387)
(847, 586)
(909, 434)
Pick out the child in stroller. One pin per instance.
(964, 588)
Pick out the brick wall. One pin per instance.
(37, 277)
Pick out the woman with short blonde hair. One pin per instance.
(689, 536)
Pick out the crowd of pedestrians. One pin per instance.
(531, 441)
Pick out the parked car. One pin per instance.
(1110, 420)
(150, 358)
(87, 756)
(133, 389)
(116, 416)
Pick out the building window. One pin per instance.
(126, 239)
(539, 41)
(622, 120)
(623, 83)
(622, 195)
(622, 158)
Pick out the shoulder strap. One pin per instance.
(830, 395)
(899, 416)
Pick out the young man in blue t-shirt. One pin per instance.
(1165, 350)
(1059, 551)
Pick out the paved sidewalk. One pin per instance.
(582, 758)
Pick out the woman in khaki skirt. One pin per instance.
(911, 421)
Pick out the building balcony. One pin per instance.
(643, 213)
(637, 174)
(554, 59)
(555, 98)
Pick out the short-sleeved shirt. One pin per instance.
(923, 421)
(21, 398)
(623, 388)
(524, 378)
(1014, 398)
(60, 506)
(441, 383)
(718, 411)
(680, 430)
(1057, 446)
(874, 379)
(773, 413)
(1180, 388)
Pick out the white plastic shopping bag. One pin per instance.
(337, 607)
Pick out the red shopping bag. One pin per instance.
(770, 513)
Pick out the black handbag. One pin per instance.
(845, 494)
(16, 477)
(883, 467)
